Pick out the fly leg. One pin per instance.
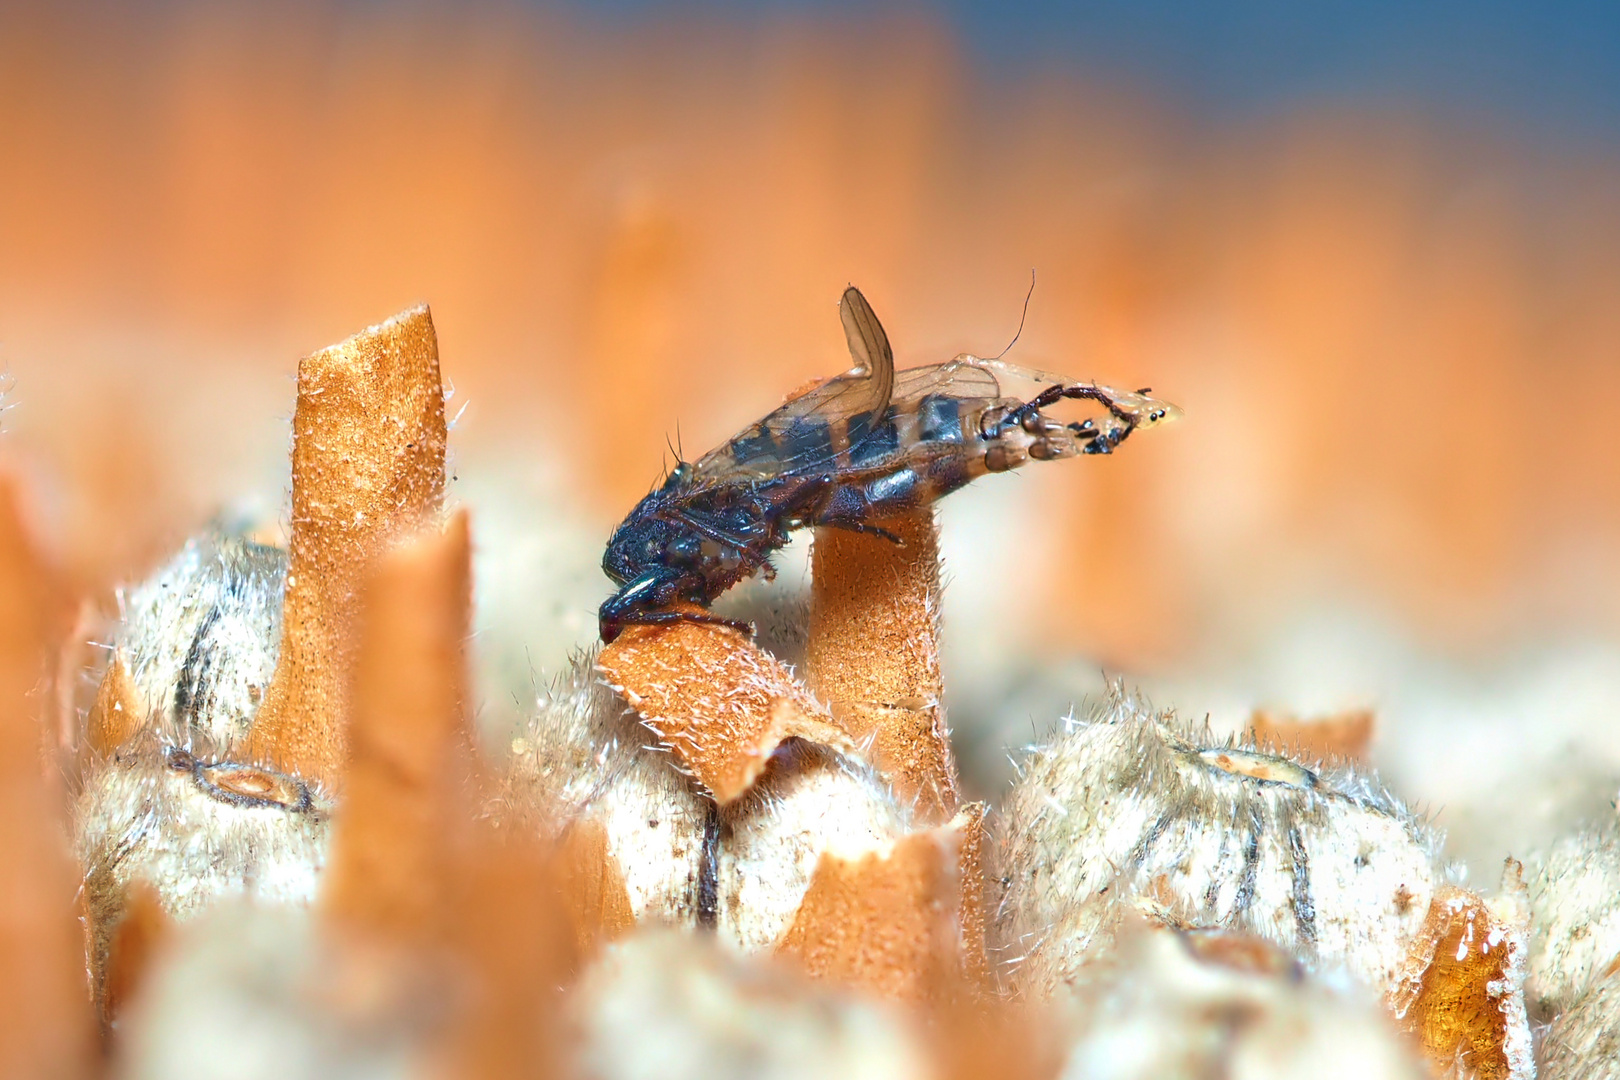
(645, 601)
(1060, 386)
(713, 532)
(1127, 412)
(1105, 441)
(863, 527)
(847, 507)
(613, 625)
(1027, 414)
(1129, 409)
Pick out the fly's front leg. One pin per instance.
(862, 527)
(645, 601)
(1104, 441)
(1028, 415)
(666, 618)
(1127, 412)
(1132, 409)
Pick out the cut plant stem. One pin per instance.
(390, 845)
(874, 653)
(45, 1019)
(1462, 994)
(889, 920)
(1344, 736)
(367, 467)
(718, 701)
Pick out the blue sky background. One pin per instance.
(1552, 67)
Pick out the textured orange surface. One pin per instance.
(874, 654)
(717, 700)
(598, 900)
(972, 859)
(1454, 999)
(1343, 736)
(45, 1018)
(139, 935)
(410, 742)
(368, 467)
(115, 716)
(887, 920)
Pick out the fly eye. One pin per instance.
(1156, 414)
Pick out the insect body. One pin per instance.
(857, 448)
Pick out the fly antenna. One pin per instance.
(1021, 318)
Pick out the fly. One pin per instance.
(858, 448)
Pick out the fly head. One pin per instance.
(652, 538)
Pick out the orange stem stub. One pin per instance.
(1343, 736)
(1462, 995)
(874, 654)
(141, 934)
(973, 907)
(599, 907)
(893, 920)
(367, 467)
(392, 839)
(115, 716)
(720, 703)
(45, 1018)
(514, 943)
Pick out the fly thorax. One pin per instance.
(639, 544)
(724, 556)
(684, 549)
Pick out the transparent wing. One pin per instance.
(962, 378)
(810, 429)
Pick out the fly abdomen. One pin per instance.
(808, 438)
(898, 490)
(978, 440)
(872, 444)
(939, 419)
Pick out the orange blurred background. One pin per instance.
(1394, 334)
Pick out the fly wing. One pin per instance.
(962, 378)
(869, 348)
(807, 431)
